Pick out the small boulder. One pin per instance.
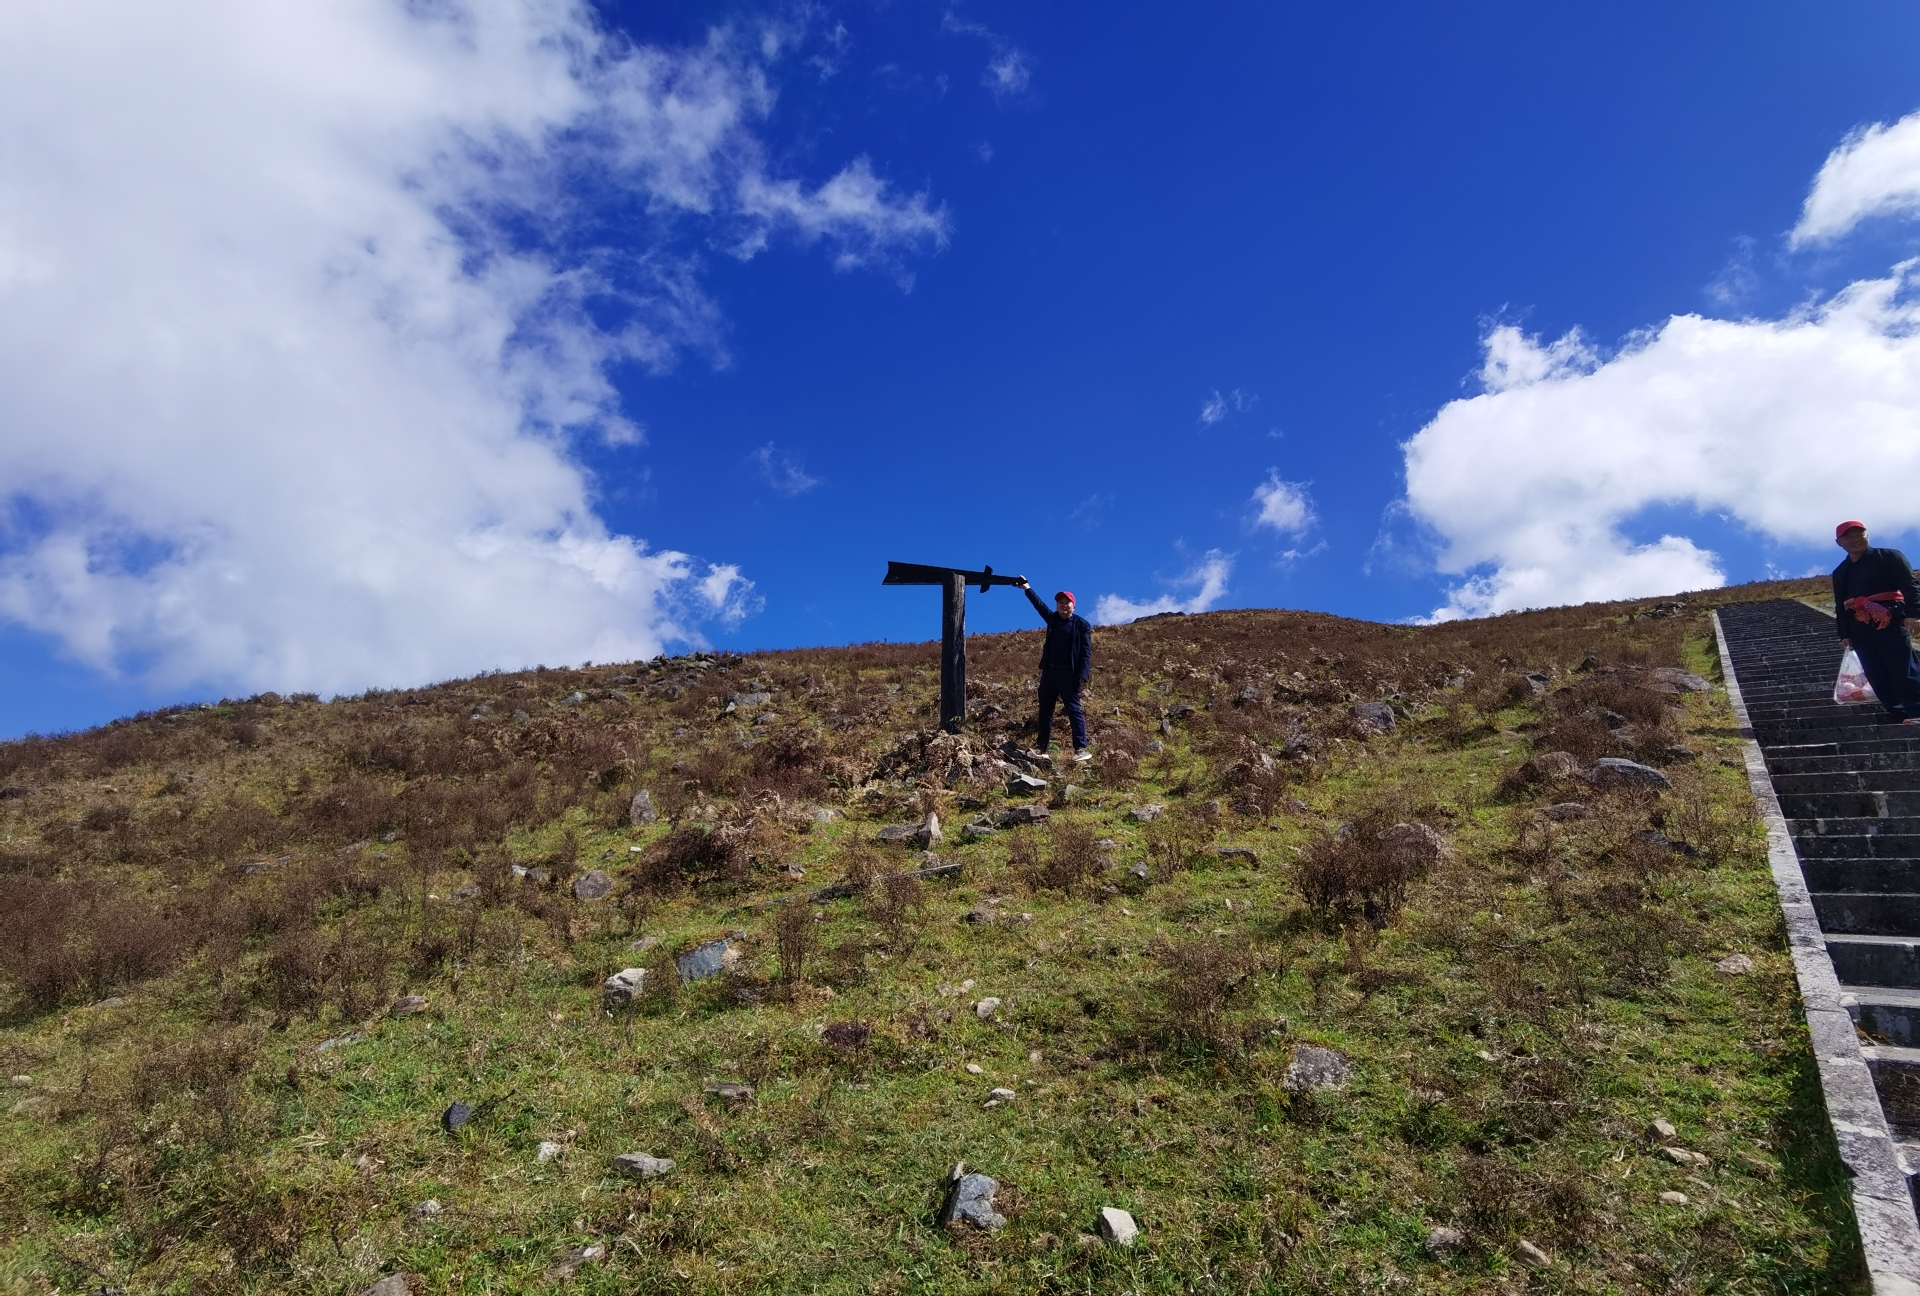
(622, 988)
(407, 1006)
(641, 810)
(1673, 1199)
(1531, 1256)
(573, 1259)
(1146, 813)
(1618, 771)
(899, 834)
(734, 1093)
(1316, 1068)
(1671, 679)
(1118, 1226)
(574, 698)
(391, 1285)
(707, 960)
(548, 1150)
(976, 830)
(1023, 814)
(593, 885)
(1001, 1095)
(928, 834)
(1566, 811)
(1022, 784)
(1154, 748)
(456, 1115)
(1537, 682)
(639, 1165)
(1734, 965)
(970, 1200)
(1249, 696)
(1417, 843)
(1548, 766)
(1442, 1240)
(986, 1008)
(1685, 1156)
(1661, 1130)
(1245, 854)
(1371, 717)
(428, 1209)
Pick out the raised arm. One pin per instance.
(1046, 613)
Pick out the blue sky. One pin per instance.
(732, 303)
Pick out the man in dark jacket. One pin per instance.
(1066, 662)
(1873, 594)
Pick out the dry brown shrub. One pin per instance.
(898, 903)
(794, 940)
(1073, 857)
(1200, 979)
(1179, 838)
(1353, 876)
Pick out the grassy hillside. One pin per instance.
(211, 919)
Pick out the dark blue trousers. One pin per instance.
(1887, 657)
(1065, 690)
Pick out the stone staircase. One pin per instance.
(1848, 784)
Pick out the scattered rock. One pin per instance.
(1680, 755)
(391, 1285)
(1246, 853)
(574, 698)
(547, 1151)
(623, 987)
(1418, 843)
(1248, 695)
(593, 885)
(976, 830)
(1023, 814)
(1757, 1166)
(1734, 965)
(1146, 813)
(520, 714)
(1118, 1226)
(986, 1008)
(707, 960)
(1673, 1198)
(1442, 1240)
(1661, 1130)
(970, 1200)
(1538, 682)
(1531, 1256)
(1567, 810)
(1314, 1067)
(822, 815)
(1002, 1095)
(115, 1002)
(641, 810)
(734, 1093)
(980, 916)
(1023, 784)
(1682, 1156)
(1067, 794)
(1371, 717)
(791, 872)
(339, 1041)
(974, 1068)
(21, 1081)
(428, 1209)
(1548, 766)
(896, 834)
(1617, 770)
(644, 944)
(1671, 679)
(1155, 747)
(639, 1165)
(1139, 872)
(573, 1259)
(407, 1006)
(928, 834)
(28, 1106)
(456, 1115)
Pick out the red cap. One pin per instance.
(1847, 526)
(1065, 594)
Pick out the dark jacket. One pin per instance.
(1876, 572)
(1069, 650)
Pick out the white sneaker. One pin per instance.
(1081, 756)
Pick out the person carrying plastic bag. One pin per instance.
(1852, 685)
(1873, 592)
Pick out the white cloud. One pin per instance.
(1208, 580)
(1217, 407)
(1874, 172)
(293, 338)
(1784, 425)
(782, 471)
(1283, 505)
(1008, 73)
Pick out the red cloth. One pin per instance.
(1873, 607)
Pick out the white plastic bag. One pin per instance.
(1852, 685)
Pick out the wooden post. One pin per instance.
(953, 652)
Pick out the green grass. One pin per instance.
(290, 1170)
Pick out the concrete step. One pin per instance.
(1884, 1015)
(1875, 960)
(1858, 779)
(1868, 913)
(1827, 806)
(1855, 764)
(1896, 1074)
(1862, 875)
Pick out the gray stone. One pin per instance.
(1680, 681)
(1681, 755)
(976, 830)
(1246, 853)
(1024, 814)
(114, 1002)
(574, 1259)
(1138, 871)
(519, 714)
(1314, 1068)
(1537, 682)
(1118, 1226)
(822, 814)
(986, 1009)
(456, 1115)
(1734, 965)
(1249, 695)
(407, 1006)
(595, 885)
(1023, 784)
(897, 834)
(1180, 712)
(1146, 813)
(639, 1165)
(1567, 810)
(1001, 1095)
(742, 701)
(708, 960)
(338, 1041)
(1418, 843)
(574, 698)
(1548, 766)
(1661, 1130)
(644, 944)
(623, 987)
(928, 834)
(547, 1151)
(1673, 1199)
(428, 1209)
(970, 1201)
(640, 810)
(1619, 770)
(1155, 747)
(731, 1092)
(1371, 717)
(391, 1285)
(1442, 1240)
(1531, 1256)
